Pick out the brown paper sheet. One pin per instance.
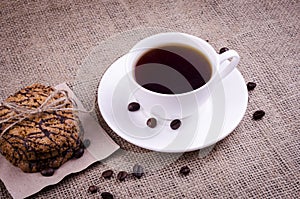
(21, 185)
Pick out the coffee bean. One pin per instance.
(107, 174)
(86, 143)
(107, 195)
(93, 189)
(185, 170)
(138, 171)
(258, 114)
(122, 175)
(48, 172)
(251, 86)
(151, 122)
(78, 153)
(133, 106)
(175, 124)
(224, 49)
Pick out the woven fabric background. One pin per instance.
(48, 41)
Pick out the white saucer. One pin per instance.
(213, 121)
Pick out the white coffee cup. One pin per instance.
(177, 106)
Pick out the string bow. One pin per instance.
(23, 112)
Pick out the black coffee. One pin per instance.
(172, 69)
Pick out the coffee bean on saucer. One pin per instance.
(251, 86)
(48, 172)
(138, 171)
(151, 122)
(78, 153)
(93, 189)
(185, 170)
(122, 175)
(258, 114)
(107, 195)
(175, 124)
(224, 49)
(107, 174)
(86, 143)
(133, 106)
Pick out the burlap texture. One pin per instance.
(49, 41)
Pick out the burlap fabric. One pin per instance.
(49, 42)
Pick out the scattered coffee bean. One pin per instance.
(107, 195)
(133, 106)
(185, 170)
(251, 86)
(224, 49)
(138, 171)
(78, 153)
(151, 122)
(107, 174)
(258, 114)
(48, 172)
(122, 175)
(93, 189)
(175, 124)
(86, 143)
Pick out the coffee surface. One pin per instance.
(172, 69)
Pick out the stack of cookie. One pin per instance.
(39, 141)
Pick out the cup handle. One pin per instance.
(235, 58)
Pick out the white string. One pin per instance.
(56, 105)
